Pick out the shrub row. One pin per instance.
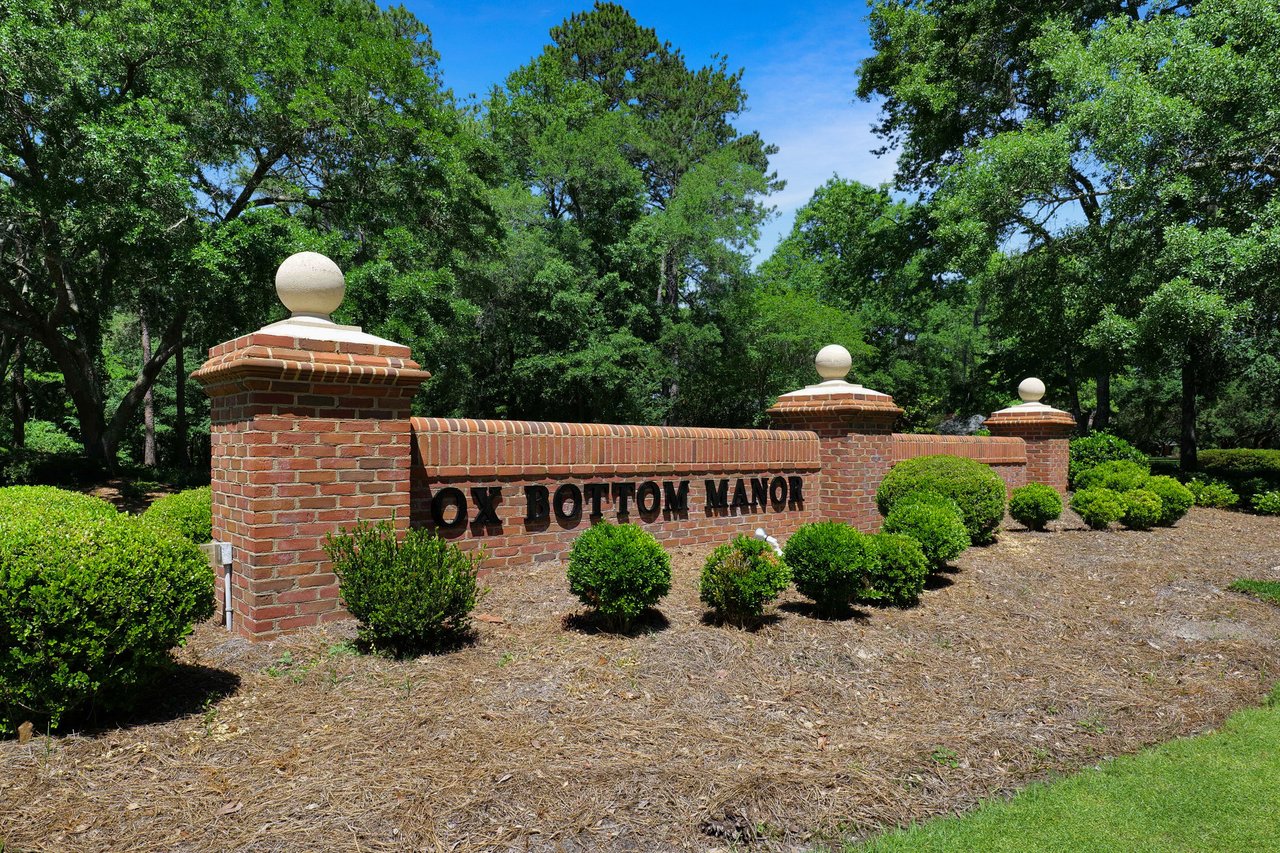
(1125, 491)
(91, 602)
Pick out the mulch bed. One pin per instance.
(1043, 653)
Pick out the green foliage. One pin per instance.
(1213, 494)
(1175, 499)
(1267, 503)
(1035, 505)
(620, 570)
(91, 602)
(934, 522)
(976, 489)
(1099, 447)
(831, 563)
(1142, 509)
(1098, 506)
(410, 596)
(1265, 590)
(1242, 466)
(188, 513)
(899, 570)
(741, 577)
(1119, 476)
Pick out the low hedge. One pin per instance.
(91, 602)
(1248, 471)
(188, 513)
(977, 490)
(1035, 505)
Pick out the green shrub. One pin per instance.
(1213, 494)
(189, 514)
(409, 596)
(46, 437)
(1142, 509)
(619, 570)
(1118, 476)
(1100, 447)
(898, 571)
(934, 522)
(1098, 506)
(91, 602)
(741, 577)
(976, 488)
(1267, 503)
(1248, 470)
(830, 563)
(1175, 499)
(1035, 505)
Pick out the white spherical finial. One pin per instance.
(1031, 390)
(833, 362)
(310, 285)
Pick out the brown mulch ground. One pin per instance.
(1042, 653)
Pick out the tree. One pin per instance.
(630, 200)
(160, 158)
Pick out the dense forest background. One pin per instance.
(1086, 193)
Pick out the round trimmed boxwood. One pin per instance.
(741, 577)
(1118, 476)
(831, 563)
(1100, 447)
(1175, 499)
(188, 513)
(1098, 506)
(91, 602)
(1035, 505)
(409, 596)
(976, 489)
(934, 522)
(1142, 509)
(619, 570)
(899, 571)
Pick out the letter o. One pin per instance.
(444, 498)
(567, 492)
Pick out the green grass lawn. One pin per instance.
(1216, 792)
(1266, 590)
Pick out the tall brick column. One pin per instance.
(310, 433)
(1046, 431)
(855, 433)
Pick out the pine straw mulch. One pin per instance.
(1040, 654)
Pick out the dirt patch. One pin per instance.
(1041, 653)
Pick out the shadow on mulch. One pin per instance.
(809, 609)
(182, 690)
(651, 621)
(714, 620)
(937, 580)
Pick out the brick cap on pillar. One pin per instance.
(1031, 412)
(835, 394)
(308, 345)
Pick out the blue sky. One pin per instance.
(799, 60)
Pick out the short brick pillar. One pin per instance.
(1046, 431)
(310, 433)
(855, 435)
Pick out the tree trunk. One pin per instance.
(1187, 457)
(148, 402)
(21, 399)
(1102, 417)
(180, 402)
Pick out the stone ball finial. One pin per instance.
(1031, 390)
(833, 362)
(310, 285)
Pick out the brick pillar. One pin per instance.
(855, 435)
(310, 433)
(1046, 431)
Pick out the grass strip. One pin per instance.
(1213, 792)
(1266, 590)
